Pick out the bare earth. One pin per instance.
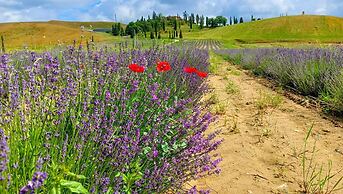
(262, 150)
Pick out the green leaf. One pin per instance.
(55, 190)
(117, 174)
(76, 176)
(165, 147)
(109, 191)
(146, 150)
(125, 177)
(183, 145)
(73, 186)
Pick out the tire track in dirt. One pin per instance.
(262, 149)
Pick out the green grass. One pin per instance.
(45, 35)
(290, 29)
(231, 87)
(268, 100)
(216, 61)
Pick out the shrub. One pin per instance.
(82, 121)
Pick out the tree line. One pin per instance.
(153, 27)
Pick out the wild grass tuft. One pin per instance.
(318, 178)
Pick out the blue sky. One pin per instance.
(127, 10)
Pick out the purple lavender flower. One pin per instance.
(4, 151)
(36, 182)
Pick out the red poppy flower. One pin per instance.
(163, 66)
(201, 74)
(136, 68)
(189, 69)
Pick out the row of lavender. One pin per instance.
(80, 121)
(317, 71)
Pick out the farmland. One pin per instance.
(45, 35)
(254, 107)
(287, 29)
(72, 116)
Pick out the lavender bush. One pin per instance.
(316, 72)
(80, 121)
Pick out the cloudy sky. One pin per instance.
(126, 10)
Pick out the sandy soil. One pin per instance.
(262, 148)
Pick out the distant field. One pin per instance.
(289, 29)
(40, 35)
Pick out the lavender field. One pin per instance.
(99, 121)
(316, 72)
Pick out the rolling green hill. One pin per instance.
(306, 28)
(37, 35)
(287, 30)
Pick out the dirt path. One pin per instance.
(263, 137)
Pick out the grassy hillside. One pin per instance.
(85, 24)
(307, 28)
(46, 34)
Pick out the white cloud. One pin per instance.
(127, 10)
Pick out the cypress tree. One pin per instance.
(181, 34)
(241, 20)
(115, 30)
(159, 35)
(156, 29)
(122, 31)
(164, 25)
(154, 15)
(119, 28)
(201, 22)
(152, 35)
(190, 22)
(185, 16)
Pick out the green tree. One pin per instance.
(241, 20)
(132, 28)
(181, 34)
(202, 22)
(122, 31)
(164, 25)
(175, 24)
(221, 20)
(152, 35)
(197, 19)
(156, 28)
(154, 15)
(115, 30)
(159, 35)
(235, 20)
(190, 22)
(185, 16)
(192, 18)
